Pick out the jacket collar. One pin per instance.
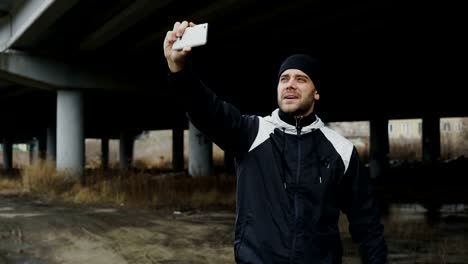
(297, 121)
(309, 124)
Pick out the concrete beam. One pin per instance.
(209, 13)
(127, 18)
(43, 73)
(29, 19)
(217, 12)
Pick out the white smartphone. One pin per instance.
(192, 37)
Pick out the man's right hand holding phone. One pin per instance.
(176, 59)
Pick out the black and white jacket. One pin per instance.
(294, 176)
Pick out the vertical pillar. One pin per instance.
(70, 134)
(51, 143)
(7, 153)
(105, 153)
(379, 147)
(126, 150)
(431, 137)
(42, 146)
(32, 151)
(178, 149)
(200, 153)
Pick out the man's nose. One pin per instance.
(291, 85)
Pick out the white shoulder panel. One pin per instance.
(343, 146)
(265, 128)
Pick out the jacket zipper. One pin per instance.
(298, 172)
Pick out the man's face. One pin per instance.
(296, 93)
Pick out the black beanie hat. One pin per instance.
(305, 63)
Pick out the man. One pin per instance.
(294, 175)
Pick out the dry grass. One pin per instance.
(10, 184)
(130, 188)
(43, 178)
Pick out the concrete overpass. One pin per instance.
(73, 69)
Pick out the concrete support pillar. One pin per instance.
(42, 146)
(178, 149)
(200, 161)
(105, 153)
(379, 147)
(7, 153)
(431, 138)
(51, 143)
(126, 150)
(32, 151)
(70, 134)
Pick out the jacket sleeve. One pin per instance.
(363, 215)
(220, 121)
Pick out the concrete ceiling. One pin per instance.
(382, 59)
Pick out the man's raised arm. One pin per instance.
(220, 121)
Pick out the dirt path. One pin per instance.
(36, 232)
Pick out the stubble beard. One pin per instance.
(296, 110)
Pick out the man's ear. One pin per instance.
(316, 96)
